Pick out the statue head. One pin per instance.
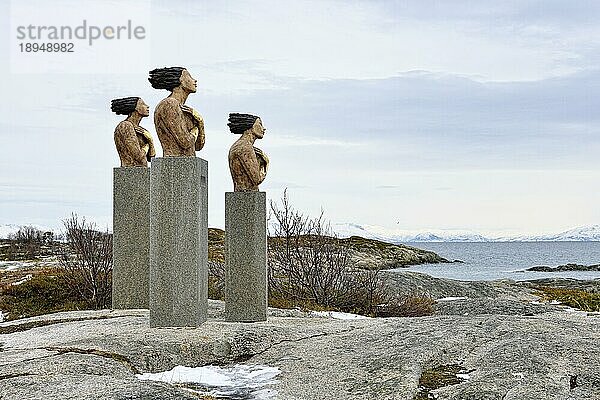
(170, 78)
(246, 123)
(129, 105)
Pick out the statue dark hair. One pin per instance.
(240, 123)
(166, 78)
(124, 106)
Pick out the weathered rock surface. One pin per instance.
(553, 354)
(409, 282)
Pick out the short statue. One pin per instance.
(134, 143)
(248, 164)
(179, 127)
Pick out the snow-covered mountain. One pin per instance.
(580, 234)
(400, 236)
(588, 233)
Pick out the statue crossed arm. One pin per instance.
(247, 164)
(133, 149)
(134, 143)
(179, 127)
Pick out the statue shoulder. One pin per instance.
(167, 103)
(124, 127)
(239, 146)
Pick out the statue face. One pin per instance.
(142, 108)
(188, 83)
(258, 129)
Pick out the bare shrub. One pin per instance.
(88, 262)
(216, 280)
(309, 267)
(305, 263)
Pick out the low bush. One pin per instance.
(575, 298)
(44, 293)
(406, 306)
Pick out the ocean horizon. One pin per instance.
(508, 260)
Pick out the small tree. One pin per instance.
(28, 241)
(88, 262)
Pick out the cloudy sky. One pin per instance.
(409, 115)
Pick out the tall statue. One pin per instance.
(179, 127)
(134, 143)
(247, 164)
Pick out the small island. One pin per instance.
(564, 268)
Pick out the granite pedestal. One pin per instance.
(131, 237)
(245, 257)
(178, 241)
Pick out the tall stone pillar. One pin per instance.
(131, 237)
(245, 257)
(178, 241)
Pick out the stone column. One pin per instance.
(245, 257)
(131, 237)
(178, 241)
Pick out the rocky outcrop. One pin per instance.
(370, 253)
(564, 268)
(364, 253)
(97, 354)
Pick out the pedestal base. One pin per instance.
(178, 241)
(245, 257)
(131, 237)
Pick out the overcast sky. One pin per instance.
(410, 115)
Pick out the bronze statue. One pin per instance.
(134, 143)
(180, 128)
(247, 164)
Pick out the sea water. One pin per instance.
(500, 260)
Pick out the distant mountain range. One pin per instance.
(589, 233)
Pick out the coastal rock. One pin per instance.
(364, 253)
(592, 286)
(97, 354)
(404, 283)
(564, 268)
(370, 253)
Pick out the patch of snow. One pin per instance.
(14, 265)
(466, 377)
(555, 303)
(238, 381)
(452, 298)
(573, 310)
(1, 317)
(336, 315)
(519, 375)
(22, 281)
